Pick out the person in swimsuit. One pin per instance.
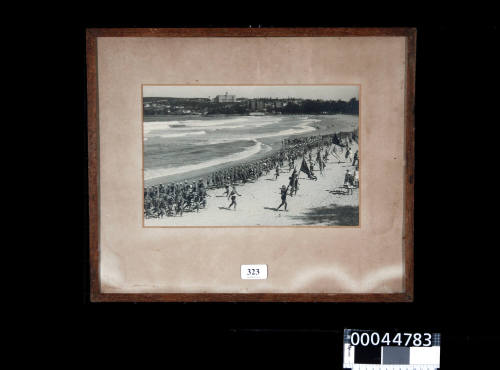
(233, 191)
(162, 209)
(355, 177)
(170, 206)
(356, 159)
(348, 182)
(233, 199)
(321, 165)
(291, 184)
(283, 197)
(348, 154)
(196, 202)
(179, 204)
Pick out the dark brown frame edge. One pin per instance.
(93, 163)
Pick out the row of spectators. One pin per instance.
(173, 199)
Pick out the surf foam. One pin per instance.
(160, 172)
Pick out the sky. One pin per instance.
(342, 92)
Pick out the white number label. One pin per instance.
(254, 272)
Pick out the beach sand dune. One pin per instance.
(316, 202)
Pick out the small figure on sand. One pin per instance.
(321, 166)
(348, 179)
(355, 161)
(226, 193)
(179, 204)
(277, 172)
(355, 177)
(311, 166)
(233, 198)
(295, 185)
(196, 202)
(348, 154)
(233, 191)
(292, 179)
(283, 190)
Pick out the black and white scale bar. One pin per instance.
(390, 357)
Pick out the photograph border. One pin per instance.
(93, 163)
(255, 226)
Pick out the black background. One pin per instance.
(455, 270)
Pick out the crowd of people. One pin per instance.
(173, 199)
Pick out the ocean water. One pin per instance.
(175, 145)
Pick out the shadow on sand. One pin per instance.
(330, 215)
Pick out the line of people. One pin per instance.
(173, 199)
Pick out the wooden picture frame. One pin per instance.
(407, 239)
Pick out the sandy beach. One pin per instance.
(315, 204)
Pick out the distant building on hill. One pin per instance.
(225, 98)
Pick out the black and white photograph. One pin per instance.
(266, 155)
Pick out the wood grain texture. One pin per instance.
(248, 32)
(411, 46)
(241, 297)
(93, 162)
